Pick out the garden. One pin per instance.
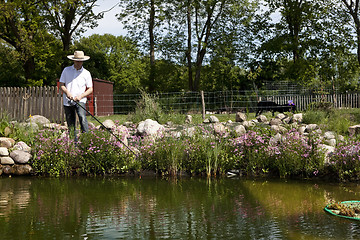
(201, 153)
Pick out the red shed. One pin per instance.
(100, 102)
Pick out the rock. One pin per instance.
(122, 130)
(311, 127)
(109, 124)
(20, 156)
(240, 117)
(206, 120)
(38, 119)
(275, 139)
(7, 131)
(91, 125)
(24, 169)
(219, 129)
(278, 129)
(341, 138)
(287, 120)
(281, 116)
(248, 124)
(150, 128)
(6, 142)
(7, 170)
(331, 142)
(6, 161)
(328, 151)
(262, 118)
(190, 132)
(22, 147)
(354, 130)
(213, 119)
(275, 121)
(298, 117)
(30, 125)
(188, 119)
(240, 130)
(329, 135)
(302, 129)
(54, 126)
(4, 152)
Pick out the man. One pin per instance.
(76, 84)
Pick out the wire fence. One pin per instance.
(233, 101)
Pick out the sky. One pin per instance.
(108, 24)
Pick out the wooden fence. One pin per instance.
(346, 100)
(20, 103)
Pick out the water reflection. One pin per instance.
(14, 196)
(131, 208)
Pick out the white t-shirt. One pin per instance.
(76, 82)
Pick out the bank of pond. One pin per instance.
(200, 150)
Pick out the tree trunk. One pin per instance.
(29, 68)
(358, 41)
(152, 47)
(188, 52)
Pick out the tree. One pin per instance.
(301, 44)
(67, 18)
(116, 59)
(193, 27)
(352, 8)
(143, 18)
(21, 26)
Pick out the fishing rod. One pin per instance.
(72, 101)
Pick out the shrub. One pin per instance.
(345, 161)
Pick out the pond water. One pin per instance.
(150, 208)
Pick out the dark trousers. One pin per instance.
(70, 114)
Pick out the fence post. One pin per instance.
(203, 104)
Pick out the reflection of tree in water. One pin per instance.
(14, 195)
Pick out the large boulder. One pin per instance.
(6, 142)
(219, 129)
(22, 146)
(150, 128)
(7, 160)
(109, 124)
(38, 119)
(240, 130)
(21, 157)
(298, 117)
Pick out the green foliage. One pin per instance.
(338, 120)
(6, 128)
(147, 107)
(116, 59)
(345, 162)
(97, 153)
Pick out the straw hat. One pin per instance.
(78, 56)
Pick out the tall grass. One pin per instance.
(338, 120)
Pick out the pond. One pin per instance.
(190, 208)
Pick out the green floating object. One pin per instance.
(349, 204)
